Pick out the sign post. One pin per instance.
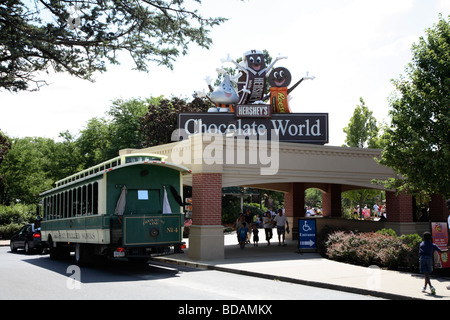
(307, 235)
(439, 232)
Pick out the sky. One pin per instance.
(354, 48)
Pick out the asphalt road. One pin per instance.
(31, 277)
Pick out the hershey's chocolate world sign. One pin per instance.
(290, 127)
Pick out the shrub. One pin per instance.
(389, 232)
(12, 218)
(381, 248)
(411, 257)
(7, 230)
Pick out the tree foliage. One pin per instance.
(5, 145)
(362, 130)
(81, 37)
(417, 143)
(161, 119)
(33, 164)
(26, 170)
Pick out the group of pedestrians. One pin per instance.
(245, 227)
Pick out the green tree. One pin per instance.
(5, 145)
(161, 119)
(102, 138)
(313, 197)
(361, 197)
(64, 158)
(362, 130)
(25, 170)
(125, 123)
(81, 37)
(416, 145)
(94, 143)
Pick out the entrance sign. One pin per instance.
(439, 232)
(307, 235)
(240, 107)
(291, 127)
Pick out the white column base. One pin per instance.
(206, 243)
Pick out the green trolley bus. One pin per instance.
(127, 207)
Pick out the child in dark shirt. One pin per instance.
(426, 251)
(255, 235)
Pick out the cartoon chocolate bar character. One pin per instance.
(252, 83)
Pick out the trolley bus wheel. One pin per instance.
(57, 251)
(83, 254)
(53, 250)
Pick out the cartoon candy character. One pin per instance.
(279, 79)
(224, 96)
(252, 83)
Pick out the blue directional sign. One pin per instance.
(307, 237)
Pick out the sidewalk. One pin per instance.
(285, 264)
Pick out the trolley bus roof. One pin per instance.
(116, 163)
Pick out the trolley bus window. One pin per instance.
(66, 204)
(83, 202)
(79, 201)
(143, 201)
(70, 205)
(74, 202)
(95, 199)
(142, 194)
(89, 199)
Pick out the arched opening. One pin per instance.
(313, 202)
(364, 204)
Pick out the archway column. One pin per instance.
(206, 240)
(294, 205)
(331, 201)
(438, 208)
(399, 208)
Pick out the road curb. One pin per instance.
(203, 266)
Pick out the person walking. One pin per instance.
(268, 225)
(242, 234)
(248, 220)
(282, 226)
(255, 232)
(426, 251)
(239, 221)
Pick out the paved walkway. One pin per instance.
(285, 264)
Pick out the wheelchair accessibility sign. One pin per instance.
(307, 237)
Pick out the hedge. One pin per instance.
(383, 249)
